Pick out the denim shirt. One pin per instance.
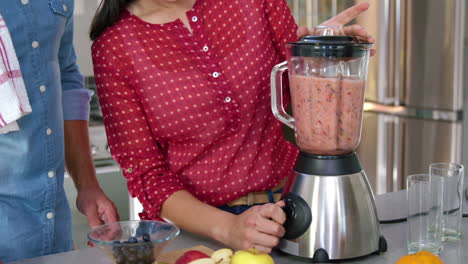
(34, 214)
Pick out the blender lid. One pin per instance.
(329, 47)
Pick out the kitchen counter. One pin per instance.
(395, 234)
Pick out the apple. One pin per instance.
(222, 256)
(203, 261)
(251, 256)
(190, 256)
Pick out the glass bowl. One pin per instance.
(133, 242)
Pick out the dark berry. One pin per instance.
(132, 240)
(146, 237)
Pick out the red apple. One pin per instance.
(190, 256)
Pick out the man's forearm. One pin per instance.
(78, 154)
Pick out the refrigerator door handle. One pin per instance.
(460, 45)
(400, 10)
(392, 52)
(390, 155)
(405, 111)
(385, 50)
(399, 182)
(385, 156)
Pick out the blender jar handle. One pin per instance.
(277, 95)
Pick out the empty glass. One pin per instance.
(452, 174)
(425, 200)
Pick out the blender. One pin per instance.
(330, 209)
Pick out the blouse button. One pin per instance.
(194, 19)
(35, 44)
(129, 170)
(49, 131)
(227, 99)
(25, 2)
(215, 74)
(42, 88)
(205, 48)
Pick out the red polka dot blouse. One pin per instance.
(191, 110)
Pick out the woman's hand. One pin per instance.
(260, 227)
(342, 19)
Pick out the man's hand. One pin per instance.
(342, 19)
(96, 206)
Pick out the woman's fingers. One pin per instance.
(280, 203)
(343, 18)
(302, 31)
(270, 227)
(273, 212)
(356, 30)
(260, 227)
(359, 32)
(346, 16)
(264, 240)
(262, 248)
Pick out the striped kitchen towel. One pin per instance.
(14, 102)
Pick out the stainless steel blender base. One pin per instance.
(344, 218)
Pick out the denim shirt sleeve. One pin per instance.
(75, 98)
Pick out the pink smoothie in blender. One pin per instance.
(327, 76)
(327, 113)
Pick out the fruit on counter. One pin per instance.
(251, 256)
(421, 257)
(222, 256)
(203, 261)
(190, 256)
(225, 256)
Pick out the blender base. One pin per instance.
(332, 197)
(321, 255)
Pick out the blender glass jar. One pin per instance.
(327, 77)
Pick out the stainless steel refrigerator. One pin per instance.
(414, 98)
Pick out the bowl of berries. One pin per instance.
(133, 242)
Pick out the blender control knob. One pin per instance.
(298, 216)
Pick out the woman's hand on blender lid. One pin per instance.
(341, 20)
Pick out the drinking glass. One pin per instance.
(425, 200)
(452, 174)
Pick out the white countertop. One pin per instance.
(395, 234)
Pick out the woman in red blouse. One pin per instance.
(185, 93)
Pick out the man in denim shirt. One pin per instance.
(34, 214)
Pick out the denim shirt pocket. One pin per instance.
(60, 7)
